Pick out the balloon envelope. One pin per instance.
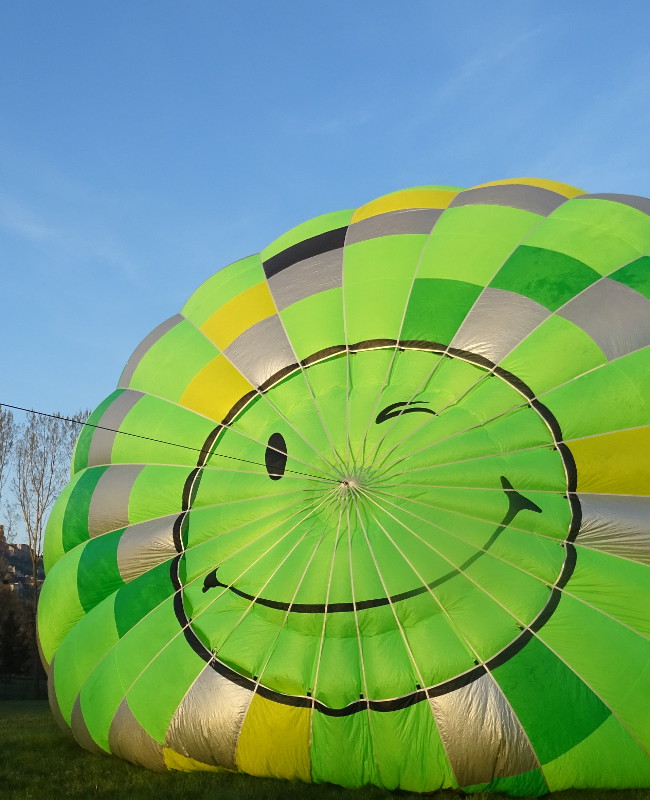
(374, 508)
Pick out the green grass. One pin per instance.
(38, 761)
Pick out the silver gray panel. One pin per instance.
(208, 720)
(640, 203)
(101, 445)
(127, 739)
(616, 317)
(146, 344)
(417, 220)
(80, 730)
(261, 351)
(482, 736)
(497, 323)
(109, 505)
(615, 524)
(514, 195)
(310, 276)
(146, 545)
(54, 703)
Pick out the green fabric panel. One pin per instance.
(546, 276)
(164, 425)
(410, 754)
(474, 241)
(627, 377)
(136, 599)
(306, 230)
(173, 361)
(53, 548)
(528, 784)
(75, 519)
(298, 320)
(619, 588)
(342, 750)
(157, 491)
(553, 353)
(80, 652)
(437, 308)
(111, 680)
(377, 280)
(600, 233)
(80, 456)
(98, 575)
(608, 758)
(59, 607)
(636, 275)
(154, 698)
(556, 709)
(222, 287)
(613, 660)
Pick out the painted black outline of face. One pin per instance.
(464, 679)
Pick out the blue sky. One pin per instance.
(145, 144)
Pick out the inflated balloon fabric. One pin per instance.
(374, 508)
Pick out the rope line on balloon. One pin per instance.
(202, 451)
(266, 399)
(529, 628)
(492, 554)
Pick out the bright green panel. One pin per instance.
(339, 679)
(111, 680)
(410, 755)
(81, 651)
(636, 275)
(553, 353)
(53, 548)
(287, 666)
(600, 233)
(313, 227)
(298, 319)
(613, 397)
(557, 710)
(608, 758)
(59, 607)
(157, 491)
(155, 695)
(377, 280)
(173, 435)
(342, 750)
(75, 520)
(136, 599)
(222, 287)
(613, 660)
(437, 308)
(98, 574)
(546, 276)
(389, 669)
(472, 242)
(80, 456)
(173, 361)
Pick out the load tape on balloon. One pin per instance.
(374, 508)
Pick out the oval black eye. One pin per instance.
(276, 462)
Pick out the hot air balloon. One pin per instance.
(374, 508)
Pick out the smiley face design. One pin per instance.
(374, 544)
(373, 508)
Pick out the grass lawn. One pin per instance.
(38, 761)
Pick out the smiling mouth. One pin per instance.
(516, 503)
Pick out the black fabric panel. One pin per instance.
(323, 243)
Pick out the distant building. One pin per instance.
(16, 572)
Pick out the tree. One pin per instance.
(42, 456)
(7, 438)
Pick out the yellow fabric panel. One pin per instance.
(274, 740)
(239, 314)
(614, 463)
(174, 760)
(553, 186)
(411, 198)
(215, 389)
